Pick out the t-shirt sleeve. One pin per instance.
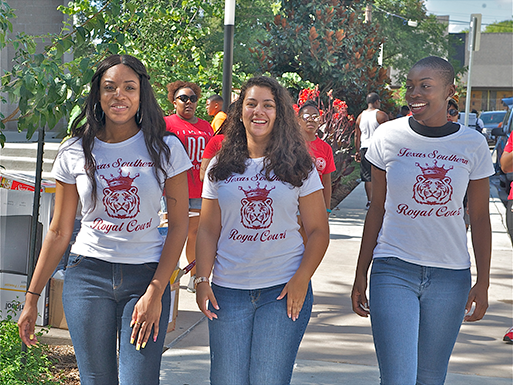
(210, 188)
(311, 184)
(483, 164)
(213, 146)
(179, 160)
(60, 169)
(375, 153)
(509, 144)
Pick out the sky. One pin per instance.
(459, 11)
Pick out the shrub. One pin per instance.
(18, 367)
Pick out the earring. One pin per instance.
(240, 119)
(101, 117)
(138, 116)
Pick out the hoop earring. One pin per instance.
(138, 117)
(101, 118)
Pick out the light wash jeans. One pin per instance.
(253, 341)
(416, 314)
(99, 298)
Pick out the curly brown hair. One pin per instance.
(172, 89)
(286, 154)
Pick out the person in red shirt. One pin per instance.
(194, 133)
(309, 119)
(507, 166)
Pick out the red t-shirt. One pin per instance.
(323, 155)
(194, 137)
(213, 146)
(509, 148)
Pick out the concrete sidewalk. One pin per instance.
(337, 347)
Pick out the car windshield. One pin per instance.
(492, 117)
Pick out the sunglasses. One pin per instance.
(307, 117)
(452, 112)
(186, 98)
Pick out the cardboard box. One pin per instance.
(12, 298)
(175, 289)
(56, 312)
(56, 316)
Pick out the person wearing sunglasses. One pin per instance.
(309, 118)
(452, 111)
(194, 133)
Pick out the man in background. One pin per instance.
(366, 124)
(214, 108)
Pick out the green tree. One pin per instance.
(404, 44)
(166, 35)
(327, 43)
(505, 26)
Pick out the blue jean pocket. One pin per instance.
(74, 260)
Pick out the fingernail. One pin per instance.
(144, 345)
(31, 337)
(138, 347)
(155, 339)
(132, 341)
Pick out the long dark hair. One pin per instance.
(286, 154)
(150, 119)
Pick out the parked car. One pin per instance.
(491, 120)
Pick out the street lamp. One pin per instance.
(229, 26)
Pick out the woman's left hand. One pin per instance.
(145, 318)
(295, 290)
(478, 295)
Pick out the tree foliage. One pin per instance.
(327, 43)
(404, 45)
(505, 26)
(164, 34)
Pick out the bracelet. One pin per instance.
(328, 210)
(31, 292)
(200, 280)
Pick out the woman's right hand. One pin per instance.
(204, 294)
(359, 298)
(27, 322)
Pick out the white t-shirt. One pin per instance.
(122, 228)
(260, 244)
(368, 124)
(426, 181)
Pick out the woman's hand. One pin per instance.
(145, 318)
(204, 294)
(478, 295)
(295, 290)
(359, 298)
(27, 322)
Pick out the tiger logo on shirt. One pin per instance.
(120, 198)
(257, 210)
(433, 186)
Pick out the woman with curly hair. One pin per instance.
(194, 133)
(260, 300)
(116, 293)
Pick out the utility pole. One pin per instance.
(474, 40)
(229, 27)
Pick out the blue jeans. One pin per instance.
(99, 298)
(416, 314)
(253, 341)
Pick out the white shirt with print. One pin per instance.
(122, 228)
(426, 182)
(260, 245)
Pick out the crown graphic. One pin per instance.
(119, 182)
(257, 193)
(434, 171)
